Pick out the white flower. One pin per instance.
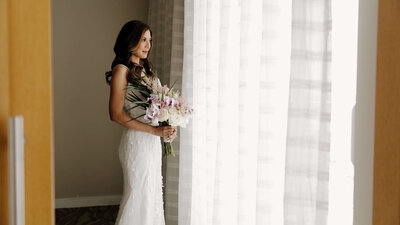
(183, 121)
(147, 117)
(174, 120)
(164, 115)
(173, 111)
(154, 121)
(174, 102)
(167, 100)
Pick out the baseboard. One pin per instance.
(88, 201)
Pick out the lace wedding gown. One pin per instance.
(140, 156)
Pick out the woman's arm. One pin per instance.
(116, 104)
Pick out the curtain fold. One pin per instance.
(308, 135)
(166, 19)
(257, 149)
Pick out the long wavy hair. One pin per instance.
(128, 38)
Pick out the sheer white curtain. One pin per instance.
(257, 149)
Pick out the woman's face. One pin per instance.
(144, 45)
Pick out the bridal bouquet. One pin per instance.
(163, 105)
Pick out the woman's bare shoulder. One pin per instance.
(119, 74)
(120, 67)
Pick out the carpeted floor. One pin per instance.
(99, 215)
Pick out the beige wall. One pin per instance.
(86, 141)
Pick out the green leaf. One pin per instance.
(174, 83)
(140, 115)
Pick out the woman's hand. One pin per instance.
(173, 135)
(164, 131)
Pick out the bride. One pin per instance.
(140, 147)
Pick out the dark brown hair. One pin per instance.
(128, 38)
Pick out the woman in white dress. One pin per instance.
(140, 146)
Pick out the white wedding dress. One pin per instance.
(140, 156)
